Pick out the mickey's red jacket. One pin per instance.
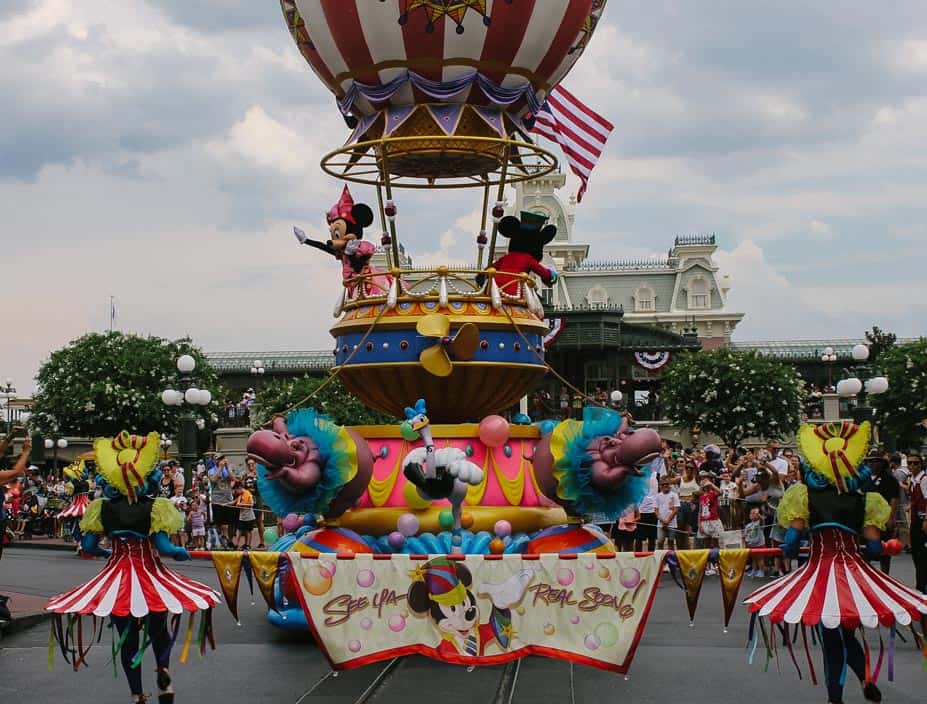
(518, 263)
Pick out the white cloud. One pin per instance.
(820, 230)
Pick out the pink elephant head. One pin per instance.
(592, 475)
(619, 456)
(293, 458)
(293, 461)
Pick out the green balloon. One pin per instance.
(446, 519)
(270, 536)
(607, 634)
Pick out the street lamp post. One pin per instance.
(829, 357)
(55, 444)
(187, 396)
(8, 391)
(872, 383)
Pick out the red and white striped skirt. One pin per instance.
(135, 582)
(77, 507)
(837, 588)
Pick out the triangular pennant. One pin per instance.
(731, 564)
(395, 116)
(692, 565)
(264, 566)
(491, 117)
(361, 130)
(228, 569)
(447, 115)
(246, 568)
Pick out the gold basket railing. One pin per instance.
(444, 285)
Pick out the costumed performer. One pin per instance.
(78, 488)
(135, 589)
(836, 592)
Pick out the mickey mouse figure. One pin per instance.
(440, 588)
(527, 237)
(346, 222)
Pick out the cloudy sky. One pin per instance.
(160, 151)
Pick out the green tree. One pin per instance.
(733, 395)
(879, 341)
(334, 401)
(902, 410)
(100, 384)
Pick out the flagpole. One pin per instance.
(112, 314)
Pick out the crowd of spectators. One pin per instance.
(708, 498)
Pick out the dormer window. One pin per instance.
(597, 296)
(699, 293)
(644, 300)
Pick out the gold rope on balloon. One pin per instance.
(333, 374)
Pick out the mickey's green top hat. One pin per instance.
(532, 221)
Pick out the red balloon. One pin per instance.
(892, 547)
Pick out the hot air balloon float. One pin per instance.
(437, 95)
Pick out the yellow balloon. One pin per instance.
(413, 498)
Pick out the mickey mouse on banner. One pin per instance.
(441, 589)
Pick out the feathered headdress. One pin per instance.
(835, 450)
(126, 460)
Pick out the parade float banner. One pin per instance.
(478, 610)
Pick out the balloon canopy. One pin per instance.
(502, 53)
(436, 90)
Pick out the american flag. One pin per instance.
(580, 131)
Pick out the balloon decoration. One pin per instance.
(407, 525)
(270, 536)
(494, 431)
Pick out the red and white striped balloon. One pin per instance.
(509, 42)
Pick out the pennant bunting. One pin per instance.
(228, 568)
(692, 565)
(264, 567)
(732, 564)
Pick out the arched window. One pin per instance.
(699, 295)
(597, 296)
(644, 300)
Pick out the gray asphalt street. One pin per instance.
(256, 663)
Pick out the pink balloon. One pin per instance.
(407, 524)
(494, 431)
(291, 522)
(502, 528)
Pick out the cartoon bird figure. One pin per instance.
(437, 474)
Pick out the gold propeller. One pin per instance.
(436, 359)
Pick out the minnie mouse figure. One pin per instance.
(346, 223)
(440, 588)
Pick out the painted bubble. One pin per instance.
(366, 623)
(396, 623)
(327, 569)
(520, 610)
(315, 582)
(365, 578)
(607, 634)
(604, 573)
(629, 577)
(354, 646)
(591, 642)
(564, 576)
(574, 619)
(549, 629)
